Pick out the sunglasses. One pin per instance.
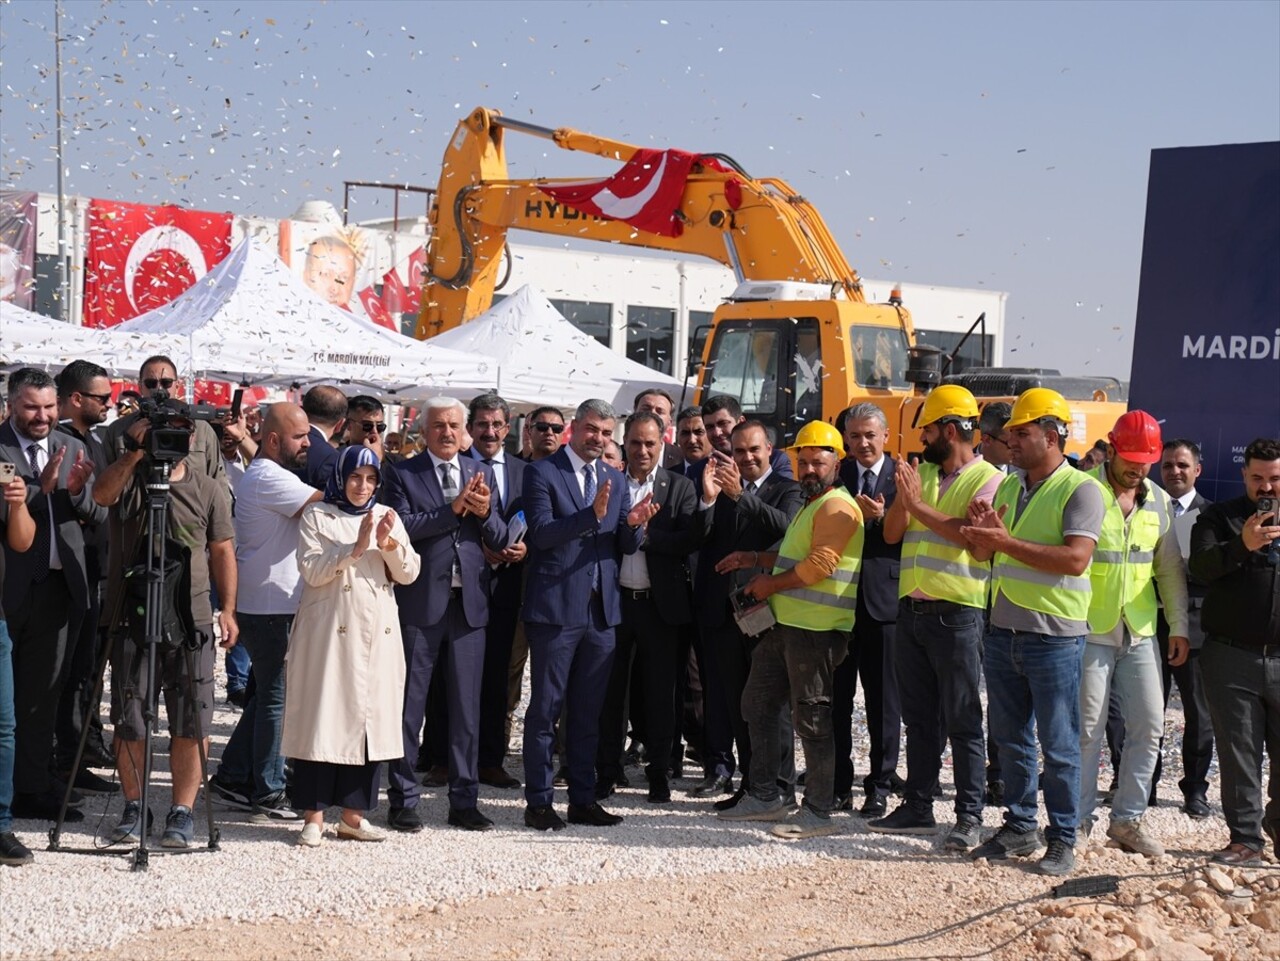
(543, 428)
(103, 399)
(370, 426)
(151, 383)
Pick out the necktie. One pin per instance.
(868, 483)
(450, 490)
(1178, 509)
(589, 495)
(39, 553)
(497, 486)
(750, 488)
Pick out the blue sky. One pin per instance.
(999, 145)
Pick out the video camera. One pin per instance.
(173, 422)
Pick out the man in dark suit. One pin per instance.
(658, 401)
(488, 423)
(745, 505)
(720, 415)
(579, 525)
(655, 605)
(326, 410)
(445, 503)
(868, 474)
(46, 589)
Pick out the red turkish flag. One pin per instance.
(140, 257)
(377, 313)
(645, 193)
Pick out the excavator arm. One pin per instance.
(762, 229)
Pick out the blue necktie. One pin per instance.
(868, 484)
(589, 495)
(44, 526)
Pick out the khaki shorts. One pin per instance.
(129, 686)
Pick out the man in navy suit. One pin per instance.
(868, 474)
(445, 502)
(579, 525)
(46, 589)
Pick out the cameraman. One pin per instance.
(199, 517)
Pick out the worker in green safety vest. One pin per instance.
(813, 594)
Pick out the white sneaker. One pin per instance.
(365, 832)
(311, 836)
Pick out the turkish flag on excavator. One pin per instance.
(645, 193)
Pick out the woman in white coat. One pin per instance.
(345, 651)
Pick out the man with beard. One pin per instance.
(938, 642)
(1136, 551)
(270, 498)
(720, 415)
(813, 594)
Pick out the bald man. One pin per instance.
(270, 499)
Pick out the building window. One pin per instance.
(969, 356)
(591, 317)
(651, 336)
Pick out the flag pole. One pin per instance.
(64, 272)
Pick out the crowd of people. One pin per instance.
(380, 597)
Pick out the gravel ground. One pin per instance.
(724, 890)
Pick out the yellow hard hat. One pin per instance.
(949, 400)
(818, 433)
(1036, 403)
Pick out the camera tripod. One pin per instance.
(158, 576)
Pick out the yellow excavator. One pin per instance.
(795, 341)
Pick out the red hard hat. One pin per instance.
(1136, 437)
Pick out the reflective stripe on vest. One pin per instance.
(830, 604)
(1122, 571)
(1057, 595)
(933, 564)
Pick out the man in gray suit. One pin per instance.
(46, 589)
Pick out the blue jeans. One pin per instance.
(253, 752)
(1130, 673)
(1033, 687)
(8, 724)
(238, 664)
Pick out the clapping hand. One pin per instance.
(601, 504)
(385, 526)
(362, 538)
(643, 512)
(728, 477)
(908, 481)
(985, 530)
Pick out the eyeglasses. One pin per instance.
(103, 399)
(996, 440)
(543, 428)
(151, 383)
(370, 426)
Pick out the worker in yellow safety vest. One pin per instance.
(1040, 535)
(812, 593)
(941, 616)
(1137, 552)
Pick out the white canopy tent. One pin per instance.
(541, 358)
(32, 340)
(250, 320)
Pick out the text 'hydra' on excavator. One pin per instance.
(795, 341)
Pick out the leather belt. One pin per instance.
(918, 606)
(1262, 650)
(455, 592)
(635, 595)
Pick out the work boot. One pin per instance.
(1129, 836)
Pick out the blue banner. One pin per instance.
(1206, 349)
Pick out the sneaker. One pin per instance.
(1007, 842)
(130, 826)
(905, 819)
(364, 832)
(12, 851)
(1129, 836)
(804, 823)
(965, 836)
(751, 808)
(238, 796)
(179, 828)
(272, 808)
(1060, 859)
(311, 836)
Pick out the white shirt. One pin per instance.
(498, 464)
(1185, 500)
(42, 459)
(578, 463)
(267, 498)
(634, 572)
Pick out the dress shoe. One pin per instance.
(622, 780)
(469, 818)
(404, 819)
(436, 777)
(498, 777)
(659, 791)
(364, 831)
(712, 786)
(604, 789)
(873, 807)
(634, 755)
(543, 819)
(12, 851)
(1237, 854)
(88, 783)
(562, 777)
(897, 785)
(97, 754)
(730, 802)
(1196, 807)
(844, 802)
(43, 807)
(594, 815)
(676, 772)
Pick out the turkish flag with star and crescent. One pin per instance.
(645, 193)
(140, 257)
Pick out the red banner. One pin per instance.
(140, 257)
